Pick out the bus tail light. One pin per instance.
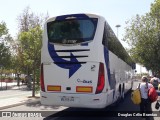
(101, 79)
(84, 89)
(42, 79)
(53, 88)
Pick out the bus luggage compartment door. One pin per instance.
(75, 79)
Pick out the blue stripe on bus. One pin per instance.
(84, 44)
(72, 67)
(78, 16)
(106, 57)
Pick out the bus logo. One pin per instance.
(84, 81)
(93, 68)
(72, 67)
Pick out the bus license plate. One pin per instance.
(67, 99)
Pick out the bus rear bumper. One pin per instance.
(74, 100)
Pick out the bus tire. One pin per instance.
(122, 93)
(119, 97)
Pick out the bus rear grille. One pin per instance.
(71, 56)
(70, 62)
(77, 50)
(75, 56)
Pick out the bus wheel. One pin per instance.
(116, 103)
(122, 94)
(119, 94)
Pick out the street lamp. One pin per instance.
(117, 26)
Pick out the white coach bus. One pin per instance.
(82, 63)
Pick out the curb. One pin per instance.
(36, 100)
(6, 88)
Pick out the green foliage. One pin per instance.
(28, 20)
(27, 47)
(4, 56)
(3, 29)
(22, 55)
(29, 41)
(143, 36)
(30, 52)
(30, 44)
(5, 53)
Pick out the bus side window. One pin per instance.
(104, 40)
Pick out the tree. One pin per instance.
(3, 29)
(28, 20)
(142, 35)
(5, 56)
(5, 53)
(29, 44)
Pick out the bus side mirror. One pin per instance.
(135, 71)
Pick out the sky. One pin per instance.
(116, 12)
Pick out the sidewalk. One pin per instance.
(9, 85)
(16, 96)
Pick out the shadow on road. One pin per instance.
(37, 104)
(15, 88)
(109, 113)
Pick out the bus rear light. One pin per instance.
(101, 79)
(42, 79)
(53, 88)
(84, 89)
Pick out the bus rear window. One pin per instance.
(71, 31)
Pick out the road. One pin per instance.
(64, 113)
(14, 92)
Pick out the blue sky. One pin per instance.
(115, 11)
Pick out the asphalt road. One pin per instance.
(110, 113)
